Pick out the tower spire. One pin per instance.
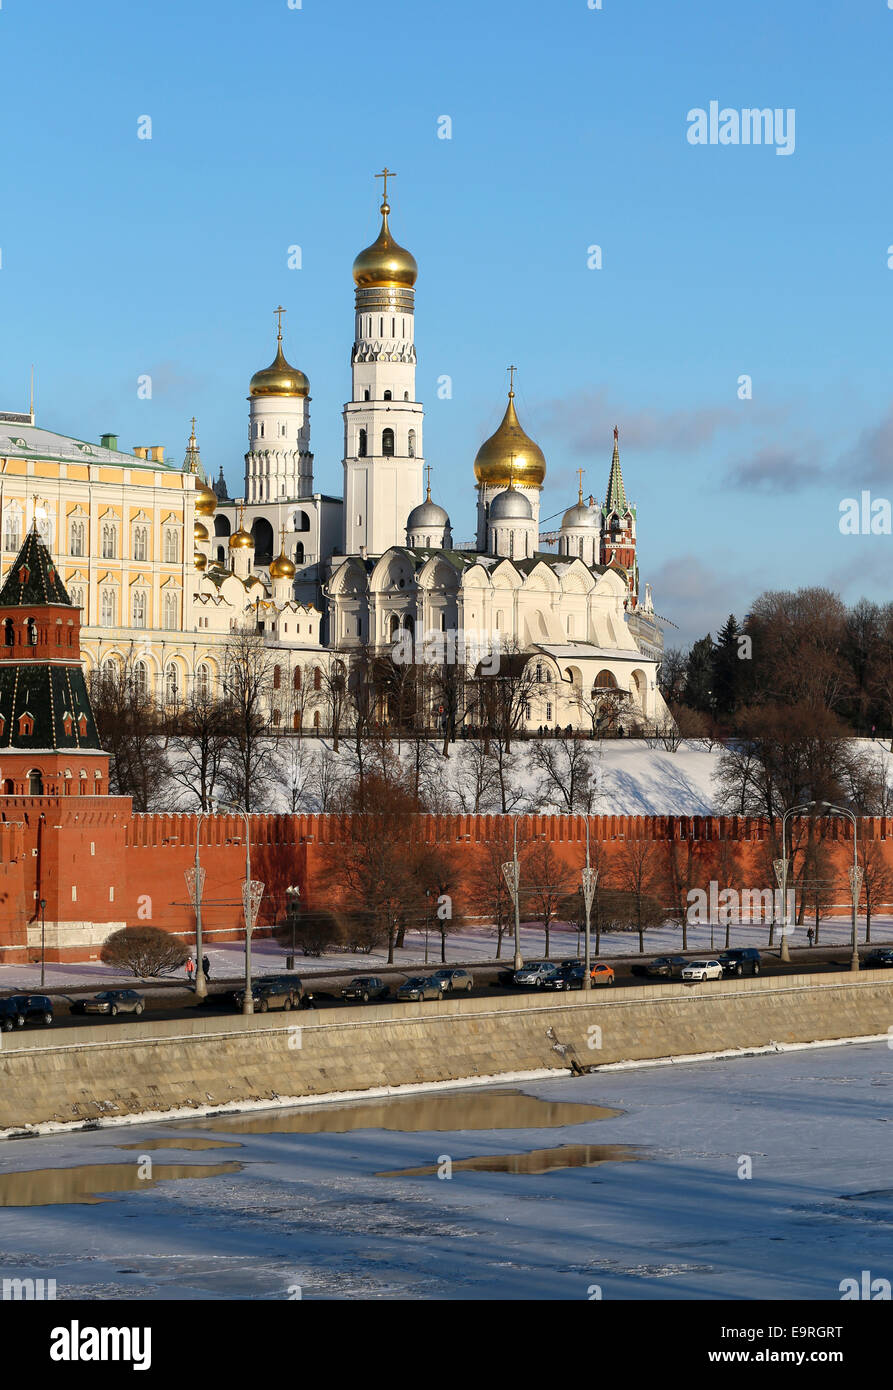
(615, 498)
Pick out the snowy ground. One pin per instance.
(310, 1212)
(630, 777)
(468, 946)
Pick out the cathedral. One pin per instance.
(166, 567)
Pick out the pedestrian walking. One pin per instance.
(809, 936)
(206, 967)
(190, 969)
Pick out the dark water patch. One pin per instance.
(534, 1161)
(51, 1187)
(448, 1110)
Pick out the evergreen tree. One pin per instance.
(699, 676)
(727, 675)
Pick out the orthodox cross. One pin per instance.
(580, 476)
(279, 311)
(428, 471)
(511, 371)
(386, 174)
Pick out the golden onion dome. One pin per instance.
(205, 500)
(282, 567)
(384, 262)
(241, 539)
(279, 379)
(200, 560)
(200, 532)
(510, 456)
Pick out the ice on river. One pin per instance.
(661, 1208)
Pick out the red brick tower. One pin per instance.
(49, 745)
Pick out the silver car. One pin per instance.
(420, 988)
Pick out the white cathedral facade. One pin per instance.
(322, 576)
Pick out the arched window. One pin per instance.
(172, 684)
(171, 609)
(107, 607)
(317, 678)
(203, 682)
(76, 594)
(109, 541)
(296, 678)
(366, 393)
(299, 553)
(170, 545)
(140, 679)
(316, 719)
(140, 543)
(35, 782)
(138, 608)
(605, 681)
(387, 443)
(361, 447)
(32, 633)
(76, 538)
(12, 531)
(9, 635)
(387, 395)
(412, 444)
(277, 677)
(277, 717)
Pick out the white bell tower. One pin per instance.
(383, 457)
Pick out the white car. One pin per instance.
(702, 970)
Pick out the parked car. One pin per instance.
(702, 970)
(599, 974)
(9, 1016)
(36, 1007)
(454, 981)
(741, 960)
(536, 973)
(111, 1001)
(365, 987)
(420, 987)
(661, 968)
(883, 957)
(293, 983)
(267, 994)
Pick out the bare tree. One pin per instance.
(877, 879)
(198, 747)
(566, 773)
(547, 879)
(477, 783)
(248, 685)
(638, 874)
(132, 733)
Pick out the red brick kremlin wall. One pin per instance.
(99, 866)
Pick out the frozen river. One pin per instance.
(623, 1182)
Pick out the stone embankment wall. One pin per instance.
(115, 1070)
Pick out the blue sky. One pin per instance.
(123, 256)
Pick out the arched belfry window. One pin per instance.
(361, 447)
(387, 443)
(412, 444)
(387, 396)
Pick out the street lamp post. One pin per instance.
(292, 896)
(251, 896)
(427, 911)
(855, 874)
(590, 879)
(516, 895)
(784, 954)
(195, 880)
(43, 941)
